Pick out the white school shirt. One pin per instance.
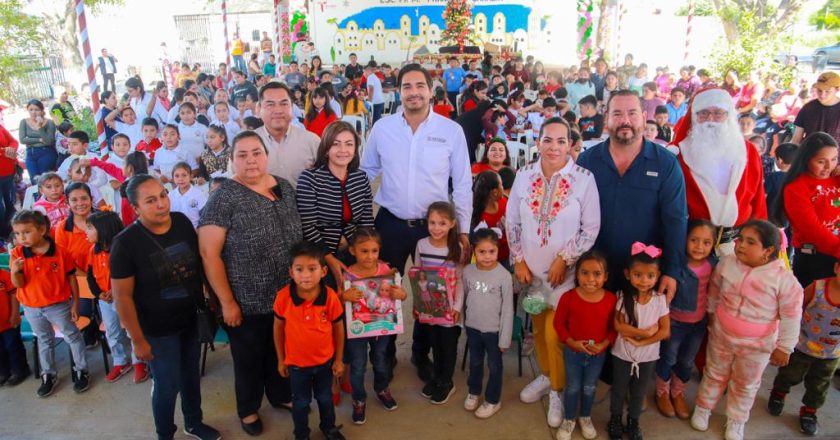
(553, 216)
(232, 128)
(193, 138)
(336, 108)
(416, 167)
(97, 176)
(116, 160)
(139, 105)
(159, 113)
(233, 114)
(189, 203)
(647, 315)
(134, 132)
(173, 113)
(374, 83)
(166, 159)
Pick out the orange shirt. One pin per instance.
(73, 239)
(97, 261)
(7, 289)
(46, 276)
(309, 331)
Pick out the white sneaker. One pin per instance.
(471, 403)
(566, 430)
(486, 410)
(534, 391)
(700, 418)
(734, 430)
(555, 409)
(587, 429)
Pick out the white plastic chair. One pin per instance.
(360, 124)
(389, 102)
(29, 197)
(514, 148)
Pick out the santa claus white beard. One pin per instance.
(713, 149)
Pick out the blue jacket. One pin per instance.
(685, 300)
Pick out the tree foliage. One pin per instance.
(702, 8)
(21, 35)
(827, 17)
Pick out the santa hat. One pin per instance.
(706, 98)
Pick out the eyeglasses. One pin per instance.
(716, 113)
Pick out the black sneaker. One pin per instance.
(203, 432)
(387, 400)
(359, 413)
(808, 421)
(425, 370)
(82, 381)
(429, 389)
(48, 383)
(615, 429)
(334, 433)
(634, 432)
(776, 403)
(443, 394)
(16, 379)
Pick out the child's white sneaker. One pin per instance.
(471, 402)
(700, 418)
(566, 430)
(587, 429)
(555, 409)
(487, 409)
(734, 430)
(534, 391)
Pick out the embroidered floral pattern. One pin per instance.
(830, 196)
(546, 200)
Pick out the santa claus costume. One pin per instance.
(723, 174)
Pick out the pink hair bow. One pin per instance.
(639, 247)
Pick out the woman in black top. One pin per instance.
(156, 278)
(334, 196)
(251, 220)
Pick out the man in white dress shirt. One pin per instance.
(416, 151)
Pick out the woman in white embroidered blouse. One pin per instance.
(553, 216)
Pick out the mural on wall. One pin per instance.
(390, 29)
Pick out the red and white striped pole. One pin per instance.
(277, 50)
(688, 29)
(91, 73)
(622, 9)
(227, 43)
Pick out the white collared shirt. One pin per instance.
(233, 114)
(166, 159)
(291, 155)
(232, 128)
(139, 105)
(189, 203)
(192, 138)
(134, 132)
(416, 167)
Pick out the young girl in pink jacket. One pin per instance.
(754, 306)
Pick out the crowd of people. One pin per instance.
(658, 216)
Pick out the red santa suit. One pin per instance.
(726, 197)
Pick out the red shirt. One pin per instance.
(582, 320)
(813, 208)
(320, 122)
(309, 325)
(470, 104)
(149, 148)
(7, 289)
(7, 165)
(444, 110)
(495, 221)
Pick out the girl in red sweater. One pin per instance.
(584, 322)
(811, 196)
(320, 113)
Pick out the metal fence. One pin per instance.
(41, 74)
(194, 34)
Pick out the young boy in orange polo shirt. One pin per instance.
(309, 338)
(44, 275)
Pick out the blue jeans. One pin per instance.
(12, 353)
(175, 370)
(43, 321)
(305, 381)
(7, 203)
(117, 338)
(582, 372)
(377, 112)
(357, 351)
(40, 160)
(239, 64)
(678, 352)
(479, 343)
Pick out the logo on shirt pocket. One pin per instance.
(54, 267)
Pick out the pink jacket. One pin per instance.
(763, 303)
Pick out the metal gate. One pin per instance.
(41, 73)
(194, 33)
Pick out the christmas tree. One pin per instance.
(458, 18)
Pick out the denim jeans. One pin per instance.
(306, 381)
(42, 320)
(12, 353)
(239, 64)
(175, 370)
(39, 160)
(8, 197)
(678, 352)
(357, 351)
(582, 372)
(118, 340)
(479, 343)
(377, 112)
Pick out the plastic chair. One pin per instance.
(29, 197)
(27, 335)
(220, 338)
(4, 261)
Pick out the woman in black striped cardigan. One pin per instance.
(334, 196)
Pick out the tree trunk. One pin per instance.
(64, 38)
(602, 37)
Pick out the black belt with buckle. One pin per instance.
(416, 223)
(727, 235)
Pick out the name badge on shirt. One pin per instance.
(436, 139)
(652, 174)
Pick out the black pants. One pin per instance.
(109, 77)
(444, 341)
(255, 365)
(399, 241)
(808, 268)
(624, 382)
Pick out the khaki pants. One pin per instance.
(549, 349)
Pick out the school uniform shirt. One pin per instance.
(319, 123)
(139, 106)
(813, 208)
(646, 315)
(55, 211)
(233, 114)
(97, 176)
(416, 167)
(98, 270)
(149, 148)
(133, 131)
(46, 276)
(288, 157)
(215, 163)
(231, 127)
(550, 217)
(7, 289)
(309, 325)
(189, 203)
(73, 239)
(488, 303)
(373, 82)
(160, 113)
(166, 159)
(173, 114)
(193, 138)
(582, 320)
